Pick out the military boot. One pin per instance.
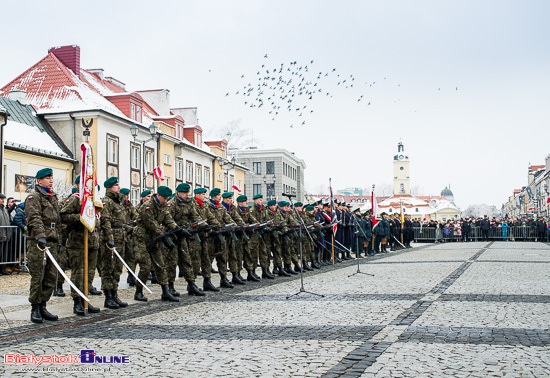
(267, 274)
(92, 309)
(138, 296)
(208, 286)
(252, 277)
(109, 301)
(78, 308)
(172, 289)
(131, 281)
(255, 275)
(240, 277)
(94, 291)
(306, 266)
(59, 290)
(46, 314)
(314, 264)
(289, 270)
(297, 268)
(350, 257)
(166, 296)
(275, 270)
(117, 300)
(193, 289)
(36, 317)
(282, 272)
(154, 278)
(344, 257)
(236, 280)
(224, 282)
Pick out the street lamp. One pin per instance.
(155, 133)
(3, 121)
(270, 183)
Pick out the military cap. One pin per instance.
(173, 195)
(199, 190)
(77, 180)
(124, 191)
(215, 192)
(227, 194)
(271, 202)
(298, 204)
(44, 172)
(74, 189)
(145, 193)
(2, 195)
(164, 191)
(110, 182)
(257, 196)
(282, 203)
(183, 188)
(309, 208)
(242, 198)
(357, 210)
(383, 213)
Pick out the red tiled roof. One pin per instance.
(535, 168)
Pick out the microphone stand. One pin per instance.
(302, 290)
(357, 243)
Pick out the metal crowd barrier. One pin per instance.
(510, 233)
(427, 234)
(13, 246)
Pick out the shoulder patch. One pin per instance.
(29, 197)
(169, 205)
(67, 201)
(104, 203)
(147, 208)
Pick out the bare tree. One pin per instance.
(236, 136)
(384, 189)
(417, 190)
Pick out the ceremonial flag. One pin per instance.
(401, 211)
(332, 211)
(159, 174)
(374, 209)
(236, 188)
(89, 196)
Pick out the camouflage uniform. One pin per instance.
(62, 256)
(183, 211)
(113, 227)
(274, 240)
(235, 263)
(199, 251)
(70, 215)
(242, 249)
(218, 249)
(294, 245)
(153, 219)
(131, 216)
(258, 248)
(42, 209)
(307, 245)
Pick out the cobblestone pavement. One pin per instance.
(456, 309)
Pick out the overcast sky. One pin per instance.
(464, 84)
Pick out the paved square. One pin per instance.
(455, 309)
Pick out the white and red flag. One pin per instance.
(89, 196)
(159, 174)
(374, 210)
(236, 188)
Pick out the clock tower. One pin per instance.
(401, 181)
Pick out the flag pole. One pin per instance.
(402, 218)
(83, 183)
(331, 204)
(85, 269)
(373, 215)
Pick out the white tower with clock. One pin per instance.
(401, 181)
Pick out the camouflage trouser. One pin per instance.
(286, 250)
(295, 249)
(251, 261)
(184, 262)
(307, 248)
(218, 250)
(276, 250)
(170, 257)
(148, 262)
(111, 266)
(232, 257)
(199, 257)
(63, 260)
(76, 259)
(242, 253)
(263, 253)
(129, 255)
(42, 272)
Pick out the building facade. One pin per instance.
(271, 172)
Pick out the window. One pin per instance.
(167, 160)
(391, 210)
(206, 181)
(257, 168)
(135, 157)
(239, 186)
(134, 196)
(231, 182)
(132, 111)
(189, 172)
(166, 181)
(225, 183)
(256, 189)
(270, 168)
(417, 209)
(112, 149)
(138, 113)
(219, 176)
(198, 174)
(179, 169)
(149, 160)
(270, 190)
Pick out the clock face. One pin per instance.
(401, 156)
(401, 168)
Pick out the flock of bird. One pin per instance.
(290, 88)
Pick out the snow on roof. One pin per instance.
(27, 137)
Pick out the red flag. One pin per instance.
(158, 173)
(374, 209)
(237, 189)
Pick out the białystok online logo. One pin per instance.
(87, 356)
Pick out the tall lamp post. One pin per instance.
(3, 121)
(270, 181)
(153, 130)
(224, 162)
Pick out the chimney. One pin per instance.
(18, 95)
(98, 72)
(69, 56)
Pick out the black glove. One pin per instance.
(110, 243)
(42, 243)
(168, 242)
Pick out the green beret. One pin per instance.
(145, 193)
(242, 198)
(199, 190)
(164, 191)
(309, 208)
(110, 182)
(183, 188)
(227, 194)
(215, 192)
(298, 204)
(271, 202)
(250, 206)
(74, 189)
(257, 196)
(124, 191)
(173, 195)
(45, 172)
(282, 203)
(77, 180)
